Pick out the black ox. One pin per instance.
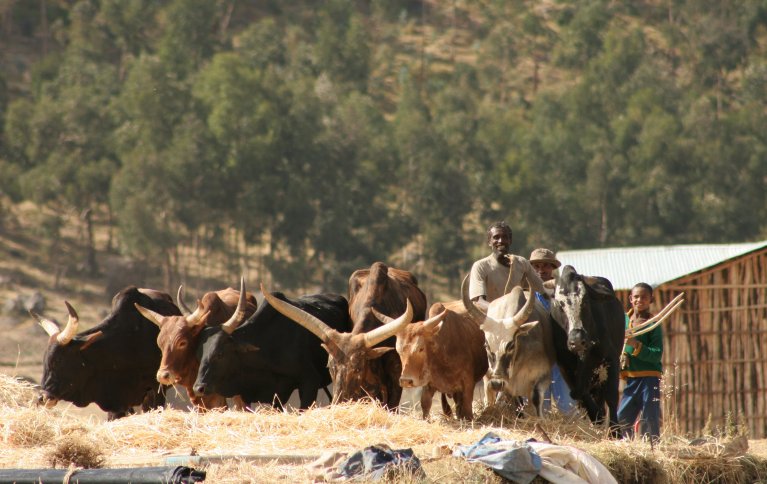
(112, 364)
(588, 331)
(268, 356)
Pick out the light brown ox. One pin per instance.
(362, 363)
(445, 353)
(179, 337)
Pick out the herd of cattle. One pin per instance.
(370, 346)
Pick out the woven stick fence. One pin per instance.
(715, 347)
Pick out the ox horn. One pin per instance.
(313, 324)
(434, 320)
(239, 313)
(524, 312)
(391, 328)
(152, 316)
(656, 320)
(48, 325)
(180, 299)
(474, 312)
(70, 330)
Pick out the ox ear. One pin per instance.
(92, 338)
(526, 328)
(374, 353)
(601, 286)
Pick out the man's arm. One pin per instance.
(477, 286)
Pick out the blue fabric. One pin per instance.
(559, 393)
(515, 461)
(641, 395)
(546, 303)
(376, 462)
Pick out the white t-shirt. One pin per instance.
(490, 278)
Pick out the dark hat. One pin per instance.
(544, 255)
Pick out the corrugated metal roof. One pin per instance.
(653, 265)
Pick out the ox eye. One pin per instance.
(182, 344)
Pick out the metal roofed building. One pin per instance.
(714, 358)
(654, 265)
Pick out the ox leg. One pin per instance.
(463, 402)
(490, 394)
(427, 397)
(446, 405)
(612, 397)
(238, 403)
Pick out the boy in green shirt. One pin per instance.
(642, 371)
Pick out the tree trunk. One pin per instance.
(91, 265)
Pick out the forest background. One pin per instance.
(294, 142)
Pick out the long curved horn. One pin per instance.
(474, 312)
(70, 330)
(670, 307)
(48, 325)
(308, 321)
(523, 314)
(239, 313)
(645, 328)
(180, 299)
(152, 316)
(375, 336)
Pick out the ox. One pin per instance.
(179, 337)
(521, 353)
(588, 328)
(359, 367)
(445, 354)
(267, 357)
(113, 363)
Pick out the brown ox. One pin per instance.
(361, 363)
(445, 353)
(521, 353)
(179, 338)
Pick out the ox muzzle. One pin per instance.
(167, 377)
(47, 400)
(578, 341)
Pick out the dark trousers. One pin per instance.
(641, 395)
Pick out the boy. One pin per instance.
(642, 370)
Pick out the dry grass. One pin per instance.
(246, 446)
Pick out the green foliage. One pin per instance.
(345, 132)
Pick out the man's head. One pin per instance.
(641, 297)
(544, 262)
(499, 239)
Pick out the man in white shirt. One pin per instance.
(498, 273)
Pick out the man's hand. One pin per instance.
(633, 342)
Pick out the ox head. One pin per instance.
(414, 345)
(572, 308)
(352, 357)
(81, 367)
(219, 366)
(179, 335)
(59, 374)
(504, 323)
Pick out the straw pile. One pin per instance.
(33, 437)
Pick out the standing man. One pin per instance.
(545, 263)
(498, 273)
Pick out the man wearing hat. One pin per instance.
(545, 263)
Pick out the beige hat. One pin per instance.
(544, 255)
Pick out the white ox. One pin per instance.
(519, 346)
